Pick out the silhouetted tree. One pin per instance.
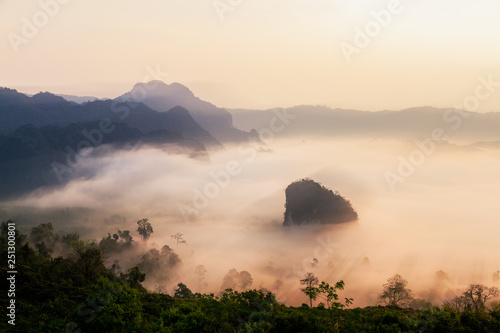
(310, 281)
(277, 286)
(245, 279)
(395, 292)
(126, 236)
(182, 291)
(179, 239)
(160, 288)
(144, 229)
(159, 265)
(236, 280)
(134, 277)
(89, 259)
(43, 238)
(201, 271)
(329, 294)
(42, 233)
(70, 238)
(473, 299)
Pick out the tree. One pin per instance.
(200, 271)
(182, 291)
(68, 239)
(310, 281)
(125, 235)
(179, 239)
(496, 277)
(145, 229)
(236, 280)
(473, 299)
(134, 277)
(395, 292)
(245, 279)
(277, 286)
(329, 294)
(43, 238)
(90, 260)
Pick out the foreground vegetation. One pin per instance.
(77, 293)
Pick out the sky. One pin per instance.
(368, 55)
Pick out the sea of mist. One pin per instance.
(443, 216)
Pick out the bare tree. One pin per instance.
(178, 237)
(474, 298)
(395, 292)
(310, 281)
(145, 229)
(160, 288)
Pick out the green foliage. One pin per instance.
(310, 281)
(57, 295)
(182, 291)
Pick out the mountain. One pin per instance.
(487, 145)
(308, 202)
(78, 99)
(44, 109)
(409, 123)
(162, 97)
(33, 157)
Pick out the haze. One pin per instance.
(443, 217)
(262, 54)
(415, 218)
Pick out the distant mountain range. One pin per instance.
(78, 99)
(40, 130)
(162, 97)
(411, 123)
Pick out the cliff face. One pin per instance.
(308, 202)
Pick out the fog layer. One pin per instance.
(418, 213)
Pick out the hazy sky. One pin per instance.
(263, 53)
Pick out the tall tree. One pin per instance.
(395, 292)
(310, 281)
(90, 259)
(245, 279)
(277, 286)
(178, 237)
(182, 291)
(144, 229)
(329, 294)
(126, 236)
(236, 280)
(201, 271)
